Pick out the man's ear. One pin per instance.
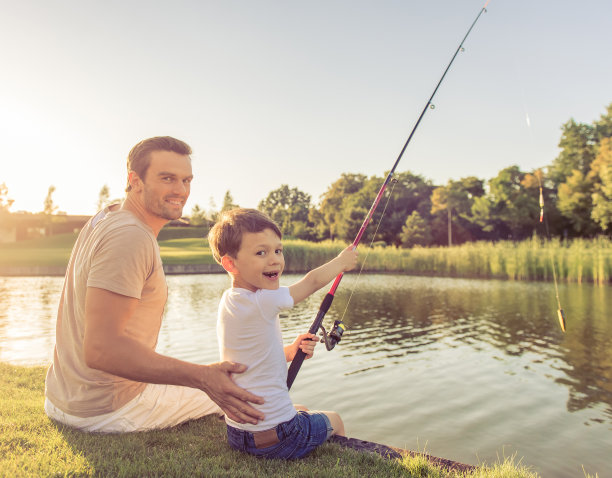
(228, 264)
(135, 181)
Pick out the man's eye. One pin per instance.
(187, 181)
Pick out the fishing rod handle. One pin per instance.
(294, 368)
(300, 355)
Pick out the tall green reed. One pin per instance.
(580, 260)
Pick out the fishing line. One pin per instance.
(543, 217)
(336, 333)
(369, 248)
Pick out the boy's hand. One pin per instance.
(304, 342)
(348, 258)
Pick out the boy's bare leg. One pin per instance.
(336, 423)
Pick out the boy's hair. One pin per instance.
(139, 157)
(225, 236)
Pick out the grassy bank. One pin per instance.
(33, 445)
(576, 261)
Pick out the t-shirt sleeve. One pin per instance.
(271, 302)
(123, 261)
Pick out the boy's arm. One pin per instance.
(319, 277)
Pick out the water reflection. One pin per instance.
(401, 316)
(470, 367)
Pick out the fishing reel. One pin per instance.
(334, 336)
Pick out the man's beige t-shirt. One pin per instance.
(117, 252)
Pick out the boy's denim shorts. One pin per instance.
(289, 440)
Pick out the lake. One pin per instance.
(468, 370)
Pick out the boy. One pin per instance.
(247, 243)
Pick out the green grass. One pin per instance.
(580, 260)
(33, 445)
(185, 251)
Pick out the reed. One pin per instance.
(580, 260)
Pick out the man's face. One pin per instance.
(167, 184)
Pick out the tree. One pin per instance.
(511, 207)
(577, 151)
(576, 203)
(228, 202)
(601, 171)
(331, 204)
(603, 127)
(415, 231)
(103, 198)
(5, 205)
(453, 203)
(49, 205)
(198, 216)
(289, 208)
(5, 201)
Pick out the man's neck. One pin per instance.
(135, 207)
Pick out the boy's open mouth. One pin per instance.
(271, 275)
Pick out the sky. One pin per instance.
(274, 92)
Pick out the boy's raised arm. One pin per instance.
(319, 277)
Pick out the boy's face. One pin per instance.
(259, 262)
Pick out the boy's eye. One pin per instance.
(261, 253)
(279, 251)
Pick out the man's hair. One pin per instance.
(225, 236)
(140, 156)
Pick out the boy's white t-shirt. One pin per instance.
(248, 330)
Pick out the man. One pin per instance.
(106, 375)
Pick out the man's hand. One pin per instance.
(232, 399)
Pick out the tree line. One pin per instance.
(576, 189)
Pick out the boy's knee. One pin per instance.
(336, 423)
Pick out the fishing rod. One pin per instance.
(335, 335)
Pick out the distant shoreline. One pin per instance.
(60, 271)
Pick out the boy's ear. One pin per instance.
(228, 264)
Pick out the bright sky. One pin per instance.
(273, 92)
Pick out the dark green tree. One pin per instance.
(453, 204)
(404, 194)
(510, 209)
(329, 213)
(289, 208)
(577, 151)
(415, 231)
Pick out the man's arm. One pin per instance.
(107, 347)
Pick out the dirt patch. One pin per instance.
(392, 452)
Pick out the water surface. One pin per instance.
(468, 370)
